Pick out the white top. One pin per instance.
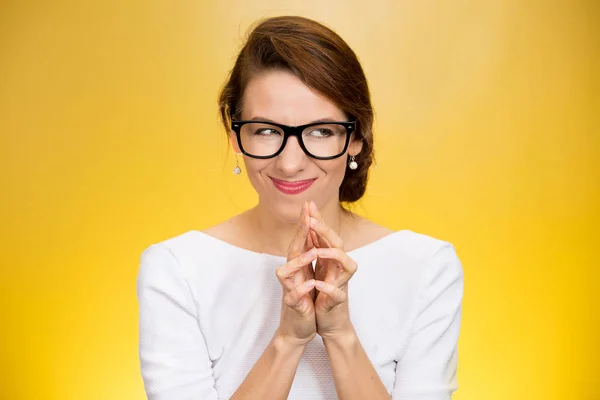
(208, 309)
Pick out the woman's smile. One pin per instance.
(292, 187)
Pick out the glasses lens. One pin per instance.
(261, 139)
(325, 140)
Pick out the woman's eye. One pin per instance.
(321, 133)
(266, 132)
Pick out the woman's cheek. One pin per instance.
(258, 181)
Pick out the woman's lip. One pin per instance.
(294, 187)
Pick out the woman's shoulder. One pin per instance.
(183, 246)
(227, 231)
(406, 253)
(191, 241)
(218, 244)
(364, 233)
(372, 237)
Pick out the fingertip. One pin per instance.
(310, 255)
(306, 287)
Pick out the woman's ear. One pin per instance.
(234, 142)
(355, 146)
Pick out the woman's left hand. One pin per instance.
(333, 270)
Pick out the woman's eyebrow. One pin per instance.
(326, 119)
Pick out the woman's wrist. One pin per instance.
(344, 339)
(286, 344)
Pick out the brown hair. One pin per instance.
(322, 60)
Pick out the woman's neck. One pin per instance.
(274, 236)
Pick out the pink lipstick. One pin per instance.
(295, 187)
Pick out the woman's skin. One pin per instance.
(313, 302)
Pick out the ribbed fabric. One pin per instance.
(208, 309)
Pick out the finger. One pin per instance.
(314, 211)
(294, 265)
(308, 271)
(316, 214)
(347, 264)
(287, 271)
(299, 240)
(294, 297)
(325, 232)
(315, 239)
(310, 242)
(320, 272)
(337, 295)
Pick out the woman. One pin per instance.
(237, 310)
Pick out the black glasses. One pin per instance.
(320, 140)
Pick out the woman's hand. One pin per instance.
(334, 268)
(298, 323)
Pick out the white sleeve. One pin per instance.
(428, 369)
(173, 353)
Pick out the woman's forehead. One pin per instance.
(280, 96)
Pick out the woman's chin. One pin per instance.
(289, 211)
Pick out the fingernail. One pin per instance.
(319, 284)
(309, 283)
(311, 253)
(314, 221)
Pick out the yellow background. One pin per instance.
(487, 135)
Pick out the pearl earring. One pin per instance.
(352, 164)
(237, 170)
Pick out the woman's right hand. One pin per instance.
(298, 322)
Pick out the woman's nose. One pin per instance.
(292, 158)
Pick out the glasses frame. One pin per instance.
(236, 126)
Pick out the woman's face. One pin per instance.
(281, 97)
